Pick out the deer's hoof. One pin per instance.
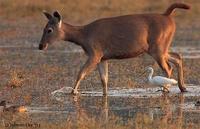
(184, 90)
(105, 93)
(75, 92)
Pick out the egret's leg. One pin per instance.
(165, 89)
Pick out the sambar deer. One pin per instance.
(119, 38)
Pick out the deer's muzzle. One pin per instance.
(43, 46)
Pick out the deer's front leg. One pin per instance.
(103, 71)
(88, 67)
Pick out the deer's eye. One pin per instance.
(50, 30)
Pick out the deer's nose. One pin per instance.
(40, 46)
(43, 46)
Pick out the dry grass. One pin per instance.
(83, 11)
(16, 79)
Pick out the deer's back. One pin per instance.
(127, 36)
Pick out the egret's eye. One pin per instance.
(50, 30)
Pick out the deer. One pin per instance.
(119, 37)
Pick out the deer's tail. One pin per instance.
(176, 5)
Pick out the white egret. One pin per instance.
(160, 81)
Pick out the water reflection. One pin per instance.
(165, 109)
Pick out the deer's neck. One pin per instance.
(72, 33)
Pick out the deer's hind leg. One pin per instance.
(176, 59)
(162, 61)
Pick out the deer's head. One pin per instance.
(52, 30)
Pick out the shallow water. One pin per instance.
(122, 102)
(188, 52)
(193, 90)
(125, 103)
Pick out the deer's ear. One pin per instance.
(57, 15)
(47, 15)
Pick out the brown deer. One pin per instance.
(119, 38)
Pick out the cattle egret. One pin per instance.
(159, 80)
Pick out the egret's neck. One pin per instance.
(150, 75)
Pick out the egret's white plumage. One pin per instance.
(159, 80)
